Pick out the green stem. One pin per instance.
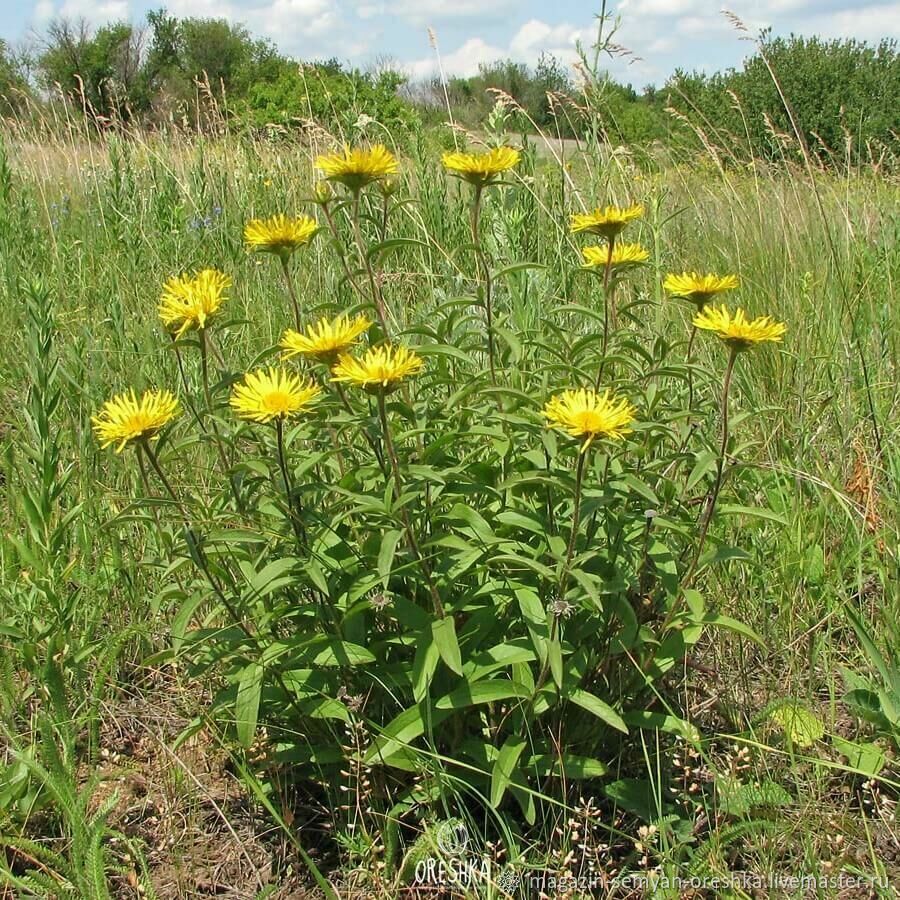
(293, 507)
(570, 552)
(203, 563)
(332, 227)
(292, 293)
(485, 273)
(217, 438)
(410, 534)
(367, 263)
(720, 467)
(609, 309)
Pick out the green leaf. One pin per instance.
(504, 767)
(516, 267)
(444, 632)
(868, 759)
(642, 718)
(424, 665)
(800, 726)
(568, 765)
(751, 511)
(246, 705)
(389, 542)
(482, 692)
(636, 795)
(732, 625)
(599, 708)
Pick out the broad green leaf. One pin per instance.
(444, 632)
(599, 708)
(481, 692)
(246, 704)
(800, 725)
(504, 766)
(732, 625)
(389, 542)
(867, 758)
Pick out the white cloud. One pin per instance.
(427, 12)
(296, 26)
(96, 13)
(868, 23)
(526, 46)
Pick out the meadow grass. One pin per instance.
(90, 230)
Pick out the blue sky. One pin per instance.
(660, 34)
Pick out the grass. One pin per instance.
(89, 231)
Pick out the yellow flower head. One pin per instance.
(357, 167)
(187, 301)
(606, 222)
(279, 234)
(326, 340)
(699, 289)
(737, 330)
(272, 393)
(587, 415)
(481, 168)
(624, 256)
(125, 419)
(380, 369)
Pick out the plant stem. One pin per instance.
(186, 386)
(690, 353)
(292, 293)
(149, 452)
(217, 438)
(570, 552)
(720, 467)
(293, 510)
(407, 525)
(367, 263)
(332, 227)
(203, 563)
(609, 309)
(485, 273)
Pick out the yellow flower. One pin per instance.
(587, 415)
(187, 301)
(623, 256)
(326, 340)
(357, 167)
(481, 168)
(272, 393)
(699, 289)
(737, 330)
(125, 418)
(380, 369)
(606, 222)
(279, 234)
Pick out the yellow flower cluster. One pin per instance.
(188, 301)
(279, 234)
(355, 168)
(608, 221)
(324, 341)
(699, 289)
(269, 394)
(616, 256)
(586, 415)
(125, 420)
(481, 169)
(737, 330)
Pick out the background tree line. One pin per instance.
(844, 95)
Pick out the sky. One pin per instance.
(659, 35)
